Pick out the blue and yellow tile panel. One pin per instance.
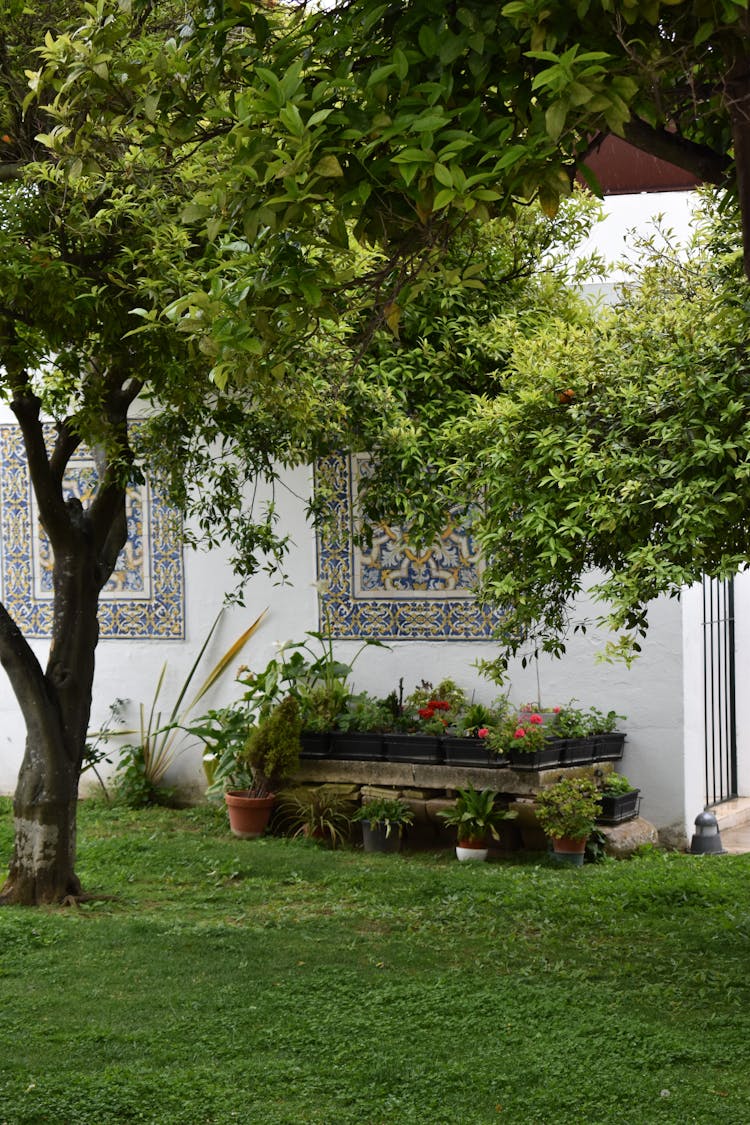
(143, 599)
(390, 591)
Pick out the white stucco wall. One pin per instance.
(649, 693)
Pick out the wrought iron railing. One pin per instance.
(719, 699)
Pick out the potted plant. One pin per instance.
(609, 742)
(467, 740)
(423, 719)
(567, 812)
(270, 757)
(528, 741)
(475, 816)
(383, 822)
(618, 798)
(361, 725)
(321, 812)
(573, 725)
(309, 671)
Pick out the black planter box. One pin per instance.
(609, 747)
(421, 749)
(617, 809)
(471, 752)
(548, 757)
(358, 746)
(579, 751)
(314, 745)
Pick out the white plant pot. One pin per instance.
(467, 855)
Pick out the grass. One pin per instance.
(275, 982)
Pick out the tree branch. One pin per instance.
(705, 163)
(26, 407)
(66, 444)
(24, 671)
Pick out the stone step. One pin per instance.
(732, 814)
(736, 841)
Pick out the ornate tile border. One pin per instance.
(145, 595)
(392, 592)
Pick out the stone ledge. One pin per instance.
(521, 783)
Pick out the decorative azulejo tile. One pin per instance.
(390, 591)
(144, 598)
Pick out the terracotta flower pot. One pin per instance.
(248, 816)
(569, 849)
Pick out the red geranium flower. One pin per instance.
(519, 732)
(536, 719)
(483, 732)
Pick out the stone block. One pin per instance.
(437, 805)
(378, 793)
(418, 808)
(624, 839)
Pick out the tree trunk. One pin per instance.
(56, 708)
(42, 867)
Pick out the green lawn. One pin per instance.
(273, 981)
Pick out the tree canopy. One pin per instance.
(388, 125)
(607, 451)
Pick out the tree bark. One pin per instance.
(56, 704)
(42, 867)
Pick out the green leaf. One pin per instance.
(380, 73)
(554, 119)
(443, 175)
(290, 116)
(428, 41)
(328, 166)
(443, 198)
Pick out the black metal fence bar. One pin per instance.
(719, 691)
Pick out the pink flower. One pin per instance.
(536, 719)
(483, 732)
(519, 732)
(557, 710)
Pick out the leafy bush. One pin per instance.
(568, 808)
(322, 813)
(615, 784)
(273, 747)
(134, 784)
